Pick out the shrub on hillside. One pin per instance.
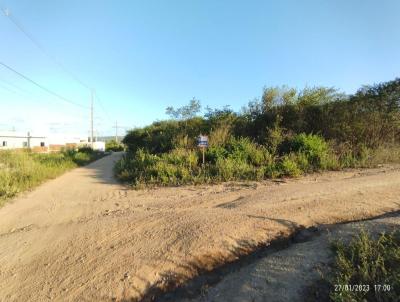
(172, 168)
(232, 169)
(367, 262)
(114, 146)
(85, 149)
(81, 158)
(243, 149)
(289, 167)
(221, 135)
(163, 136)
(241, 159)
(313, 152)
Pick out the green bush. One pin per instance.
(114, 146)
(220, 135)
(81, 158)
(314, 147)
(369, 262)
(241, 159)
(230, 169)
(214, 153)
(85, 149)
(172, 168)
(243, 149)
(289, 166)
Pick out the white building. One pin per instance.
(99, 146)
(43, 143)
(15, 140)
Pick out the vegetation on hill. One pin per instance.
(21, 170)
(284, 133)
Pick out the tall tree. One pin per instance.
(184, 112)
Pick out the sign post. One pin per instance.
(202, 142)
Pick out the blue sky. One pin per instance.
(142, 56)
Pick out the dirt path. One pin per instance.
(83, 237)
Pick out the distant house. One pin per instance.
(15, 140)
(97, 144)
(41, 143)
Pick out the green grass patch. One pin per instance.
(114, 146)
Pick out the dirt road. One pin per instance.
(83, 237)
(293, 273)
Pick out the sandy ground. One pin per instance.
(83, 237)
(289, 274)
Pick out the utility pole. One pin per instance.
(29, 140)
(91, 118)
(116, 131)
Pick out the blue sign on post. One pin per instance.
(202, 142)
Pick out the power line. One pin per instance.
(91, 118)
(102, 107)
(7, 89)
(17, 90)
(21, 90)
(41, 86)
(8, 14)
(12, 18)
